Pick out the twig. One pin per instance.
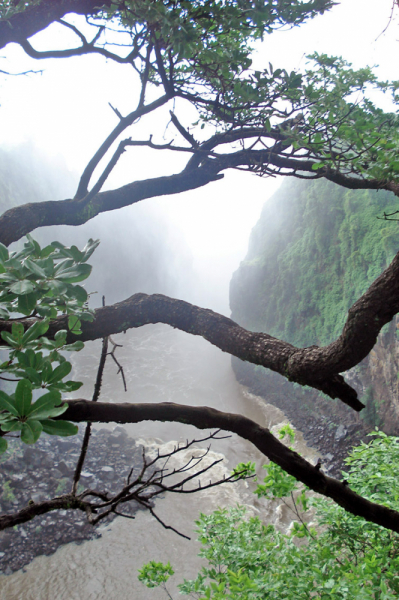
(96, 395)
(120, 368)
(116, 111)
(164, 524)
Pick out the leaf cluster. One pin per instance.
(40, 284)
(342, 557)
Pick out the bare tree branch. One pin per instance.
(151, 482)
(23, 25)
(105, 146)
(204, 417)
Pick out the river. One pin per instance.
(161, 365)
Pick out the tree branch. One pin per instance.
(204, 417)
(23, 25)
(85, 48)
(18, 221)
(122, 125)
(316, 367)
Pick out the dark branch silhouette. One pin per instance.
(204, 417)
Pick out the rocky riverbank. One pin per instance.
(45, 470)
(327, 425)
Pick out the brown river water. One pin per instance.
(161, 365)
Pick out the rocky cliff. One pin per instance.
(314, 251)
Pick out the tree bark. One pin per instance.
(317, 367)
(204, 417)
(33, 19)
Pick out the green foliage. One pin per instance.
(155, 574)
(7, 493)
(343, 558)
(209, 39)
(244, 470)
(276, 484)
(286, 430)
(40, 284)
(314, 251)
(201, 50)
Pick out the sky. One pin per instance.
(65, 113)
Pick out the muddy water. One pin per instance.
(161, 365)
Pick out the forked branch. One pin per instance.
(155, 477)
(204, 417)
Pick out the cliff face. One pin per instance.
(314, 251)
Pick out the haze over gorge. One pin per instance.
(304, 268)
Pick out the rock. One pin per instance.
(33, 456)
(65, 468)
(56, 473)
(38, 483)
(340, 433)
(108, 473)
(119, 431)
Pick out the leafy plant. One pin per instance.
(341, 558)
(40, 284)
(155, 574)
(7, 494)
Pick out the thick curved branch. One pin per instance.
(21, 220)
(23, 25)
(18, 221)
(313, 366)
(317, 367)
(203, 417)
(66, 502)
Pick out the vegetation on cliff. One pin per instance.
(315, 249)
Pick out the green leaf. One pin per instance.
(72, 386)
(78, 292)
(6, 403)
(27, 303)
(60, 337)
(24, 286)
(23, 397)
(60, 372)
(45, 402)
(35, 268)
(46, 251)
(4, 314)
(33, 375)
(3, 445)
(74, 274)
(58, 287)
(76, 346)
(59, 427)
(3, 252)
(30, 431)
(35, 331)
(89, 248)
(74, 324)
(12, 425)
(17, 331)
(50, 413)
(7, 337)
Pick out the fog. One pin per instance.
(187, 245)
